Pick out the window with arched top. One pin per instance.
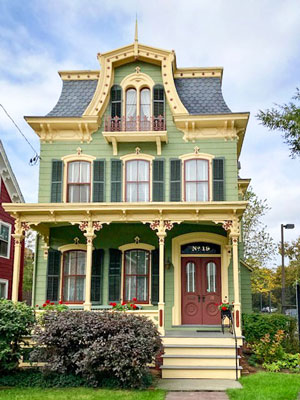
(145, 109)
(196, 180)
(211, 273)
(131, 109)
(116, 101)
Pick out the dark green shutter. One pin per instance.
(99, 181)
(116, 180)
(53, 273)
(155, 276)
(218, 179)
(56, 181)
(175, 182)
(97, 274)
(158, 180)
(114, 275)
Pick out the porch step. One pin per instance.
(199, 372)
(199, 350)
(199, 360)
(221, 341)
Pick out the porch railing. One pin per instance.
(134, 124)
(230, 317)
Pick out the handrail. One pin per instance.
(134, 124)
(232, 330)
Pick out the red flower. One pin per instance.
(52, 304)
(123, 303)
(134, 299)
(60, 302)
(134, 306)
(37, 305)
(114, 304)
(224, 308)
(44, 305)
(47, 301)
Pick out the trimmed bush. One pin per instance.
(256, 326)
(98, 346)
(16, 320)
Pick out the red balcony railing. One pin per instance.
(134, 124)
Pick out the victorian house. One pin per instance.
(139, 197)
(9, 193)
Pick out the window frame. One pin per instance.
(136, 275)
(138, 182)
(6, 282)
(63, 275)
(119, 88)
(185, 181)
(8, 225)
(68, 184)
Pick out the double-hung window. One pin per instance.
(3, 288)
(74, 276)
(137, 275)
(137, 188)
(196, 180)
(5, 230)
(79, 182)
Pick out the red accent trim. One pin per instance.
(124, 281)
(160, 317)
(237, 321)
(73, 275)
(137, 182)
(81, 183)
(208, 177)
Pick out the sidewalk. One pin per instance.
(197, 396)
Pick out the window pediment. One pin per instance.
(137, 80)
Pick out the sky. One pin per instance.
(256, 41)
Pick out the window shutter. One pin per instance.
(218, 179)
(97, 276)
(99, 181)
(53, 273)
(155, 276)
(175, 184)
(114, 275)
(56, 181)
(116, 180)
(158, 180)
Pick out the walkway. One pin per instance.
(197, 396)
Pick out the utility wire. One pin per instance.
(34, 160)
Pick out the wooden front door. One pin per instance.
(201, 290)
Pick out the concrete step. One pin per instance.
(198, 340)
(200, 372)
(199, 361)
(199, 350)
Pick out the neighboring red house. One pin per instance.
(9, 193)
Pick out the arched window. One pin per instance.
(79, 182)
(137, 187)
(211, 273)
(158, 107)
(74, 276)
(196, 180)
(136, 275)
(145, 109)
(131, 110)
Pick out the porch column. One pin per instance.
(18, 236)
(89, 228)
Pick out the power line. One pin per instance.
(35, 159)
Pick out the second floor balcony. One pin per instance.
(135, 129)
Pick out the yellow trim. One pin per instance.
(76, 157)
(208, 72)
(79, 75)
(177, 242)
(132, 246)
(200, 255)
(243, 185)
(139, 156)
(73, 246)
(198, 156)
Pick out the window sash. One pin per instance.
(74, 275)
(211, 275)
(79, 182)
(4, 240)
(196, 174)
(137, 181)
(136, 275)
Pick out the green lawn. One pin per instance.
(267, 386)
(79, 394)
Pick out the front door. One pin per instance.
(201, 290)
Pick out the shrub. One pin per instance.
(98, 346)
(256, 326)
(16, 320)
(269, 349)
(289, 361)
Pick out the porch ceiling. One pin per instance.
(34, 214)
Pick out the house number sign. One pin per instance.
(200, 248)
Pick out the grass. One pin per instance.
(80, 394)
(267, 386)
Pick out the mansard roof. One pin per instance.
(198, 95)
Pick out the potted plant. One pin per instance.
(225, 309)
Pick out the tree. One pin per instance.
(259, 247)
(285, 118)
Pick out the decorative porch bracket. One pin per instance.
(89, 228)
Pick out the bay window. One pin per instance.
(74, 276)
(196, 180)
(136, 279)
(79, 182)
(137, 186)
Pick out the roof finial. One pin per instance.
(136, 30)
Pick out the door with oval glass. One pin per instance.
(201, 290)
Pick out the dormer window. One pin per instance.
(131, 109)
(79, 182)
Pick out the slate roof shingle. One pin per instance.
(74, 99)
(201, 95)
